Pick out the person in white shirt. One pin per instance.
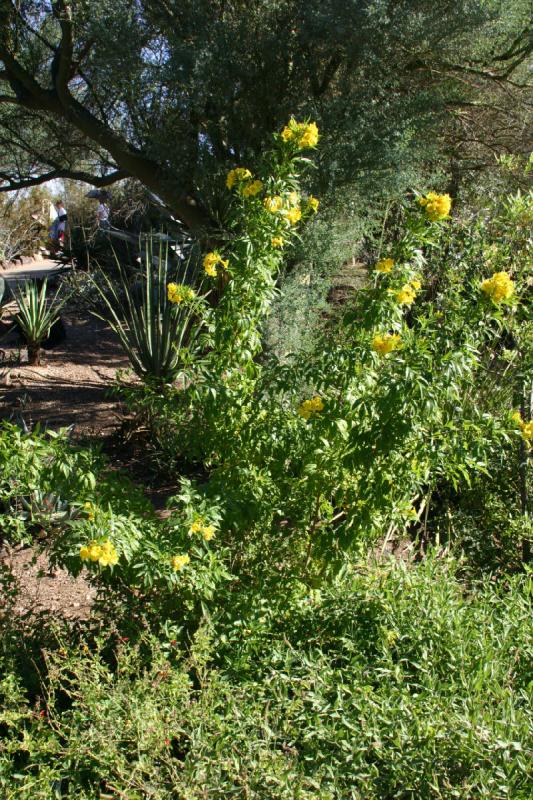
(102, 215)
(57, 229)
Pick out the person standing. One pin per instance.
(58, 226)
(61, 220)
(103, 213)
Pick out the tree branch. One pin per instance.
(62, 62)
(60, 102)
(84, 177)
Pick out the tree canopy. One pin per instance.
(162, 90)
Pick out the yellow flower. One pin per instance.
(385, 265)
(177, 293)
(237, 174)
(108, 556)
(95, 551)
(208, 531)
(310, 136)
(310, 408)
(273, 204)
(499, 287)
(301, 133)
(294, 215)
(104, 553)
(527, 431)
(277, 241)
(293, 198)
(313, 203)
(178, 562)
(436, 206)
(384, 343)
(517, 418)
(89, 511)
(416, 285)
(406, 295)
(211, 260)
(286, 134)
(252, 188)
(196, 527)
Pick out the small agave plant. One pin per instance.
(35, 317)
(49, 508)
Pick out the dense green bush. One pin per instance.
(47, 482)
(392, 683)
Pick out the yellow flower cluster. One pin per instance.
(527, 431)
(499, 287)
(237, 175)
(385, 265)
(207, 531)
(242, 178)
(436, 206)
(104, 553)
(302, 134)
(384, 343)
(178, 293)
(309, 408)
(273, 204)
(211, 261)
(407, 294)
(287, 208)
(525, 427)
(178, 562)
(277, 241)
(313, 203)
(293, 215)
(251, 188)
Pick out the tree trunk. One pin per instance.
(34, 354)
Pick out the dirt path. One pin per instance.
(71, 387)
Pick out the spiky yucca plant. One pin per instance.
(153, 331)
(35, 316)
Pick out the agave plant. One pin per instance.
(156, 327)
(36, 315)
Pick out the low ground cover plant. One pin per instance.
(390, 683)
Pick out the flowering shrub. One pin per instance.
(348, 444)
(310, 459)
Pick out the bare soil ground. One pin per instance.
(71, 386)
(45, 590)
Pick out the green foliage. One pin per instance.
(46, 481)
(387, 81)
(36, 315)
(391, 683)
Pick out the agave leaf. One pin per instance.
(153, 331)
